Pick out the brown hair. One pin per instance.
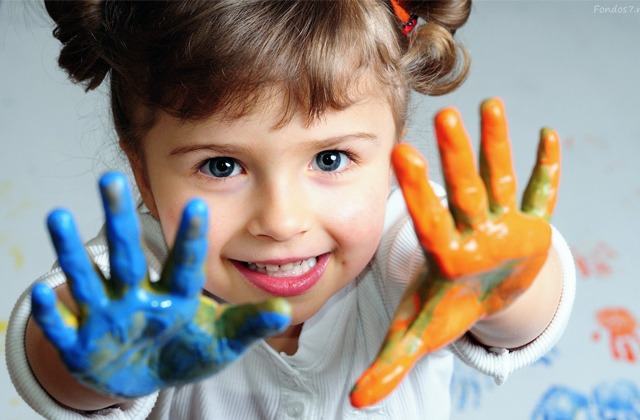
(198, 58)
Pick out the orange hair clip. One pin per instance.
(408, 20)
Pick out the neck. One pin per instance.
(287, 341)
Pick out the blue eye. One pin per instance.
(330, 161)
(221, 167)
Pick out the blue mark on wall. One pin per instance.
(468, 386)
(619, 400)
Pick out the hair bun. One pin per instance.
(434, 60)
(79, 28)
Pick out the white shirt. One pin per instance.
(336, 345)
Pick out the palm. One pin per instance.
(482, 251)
(132, 336)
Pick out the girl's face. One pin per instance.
(295, 211)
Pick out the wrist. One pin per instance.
(529, 315)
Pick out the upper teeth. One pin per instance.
(296, 268)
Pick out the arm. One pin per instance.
(127, 337)
(482, 252)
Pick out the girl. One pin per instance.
(281, 117)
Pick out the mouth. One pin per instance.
(290, 269)
(284, 278)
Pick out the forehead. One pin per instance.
(275, 107)
(261, 131)
(271, 114)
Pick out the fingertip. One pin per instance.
(275, 315)
(196, 207)
(493, 108)
(111, 179)
(195, 219)
(550, 145)
(549, 133)
(62, 230)
(115, 191)
(279, 305)
(406, 155)
(59, 219)
(42, 297)
(447, 118)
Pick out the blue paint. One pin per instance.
(619, 400)
(468, 386)
(548, 359)
(616, 400)
(135, 337)
(126, 258)
(560, 403)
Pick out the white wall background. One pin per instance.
(571, 65)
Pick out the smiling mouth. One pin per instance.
(291, 269)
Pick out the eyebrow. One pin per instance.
(224, 149)
(331, 142)
(230, 149)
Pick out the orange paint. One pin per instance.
(595, 262)
(623, 337)
(482, 250)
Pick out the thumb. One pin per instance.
(241, 325)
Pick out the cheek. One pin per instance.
(357, 225)
(170, 210)
(170, 220)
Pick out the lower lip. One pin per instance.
(285, 286)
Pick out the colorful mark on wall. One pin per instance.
(3, 330)
(12, 208)
(623, 333)
(595, 261)
(468, 386)
(616, 400)
(549, 358)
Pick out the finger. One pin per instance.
(184, 272)
(541, 193)
(85, 282)
(432, 221)
(241, 325)
(466, 193)
(62, 333)
(496, 163)
(431, 315)
(128, 264)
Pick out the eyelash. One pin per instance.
(345, 151)
(198, 169)
(201, 166)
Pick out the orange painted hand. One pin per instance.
(482, 252)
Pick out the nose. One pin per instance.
(281, 211)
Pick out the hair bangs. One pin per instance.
(311, 56)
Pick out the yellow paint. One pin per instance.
(19, 209)
(18, 257)
(482, 250)
(5, 186)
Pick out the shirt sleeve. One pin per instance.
(23, 379)
(400, 257)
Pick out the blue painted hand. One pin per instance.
(132, 336)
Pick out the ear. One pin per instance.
(136, 162)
